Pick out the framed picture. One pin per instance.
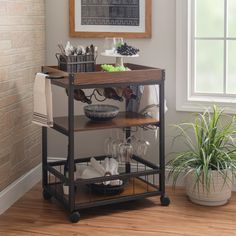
(110, 18)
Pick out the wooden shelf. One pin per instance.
(135, 186)
(137, 75)
(123, 119)
(84, 195)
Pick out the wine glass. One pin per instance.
(108, 145)
(142, 145)
(126, 150)
(115, 145)
(118, 42)
(111, 44)
(134, 142)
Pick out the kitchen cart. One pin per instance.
(142, 178)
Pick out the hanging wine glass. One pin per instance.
(143, 145)
(126, 151)
(134, 142)
(115, 145)
(108, 145)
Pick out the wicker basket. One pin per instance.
(78, 63)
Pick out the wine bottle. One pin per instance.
(110, 93)
(79, 95)
(127, 93)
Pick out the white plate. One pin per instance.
(116, 55)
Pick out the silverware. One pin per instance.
(62, 49)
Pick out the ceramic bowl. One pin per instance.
(101, 112)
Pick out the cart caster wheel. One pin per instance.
(165, 201)
(74, 217)
(46, 195)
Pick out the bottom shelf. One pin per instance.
(141, 180)
(86, 197)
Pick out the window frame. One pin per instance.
(186, 98)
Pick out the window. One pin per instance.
(206, 53)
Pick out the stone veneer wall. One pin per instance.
(22, 53)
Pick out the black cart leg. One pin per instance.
(46, 195)
(70, 157)
(44, 154)
(164, 199)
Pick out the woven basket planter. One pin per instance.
(219, 191)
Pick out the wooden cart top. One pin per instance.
(137, 75)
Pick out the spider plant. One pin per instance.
(210, 147)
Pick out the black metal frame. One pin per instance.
(48, 168)
(162, 135)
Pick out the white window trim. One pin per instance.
(184, 100)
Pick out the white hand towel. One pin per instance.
(89, 173)
(100, 169)
(97, 166)
(109, 165)
(113, 166)
(106, 165)
(149, 104)
(114, 171)
(43, 114)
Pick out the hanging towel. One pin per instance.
(43, 114)
(133, 104)
(149, 103)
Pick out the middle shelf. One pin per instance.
(123, 119)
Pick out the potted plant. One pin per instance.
(209, 162)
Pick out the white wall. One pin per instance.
(159, 51)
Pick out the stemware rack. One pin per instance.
(143, 178)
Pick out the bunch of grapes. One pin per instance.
(127, 50)
(111, 68)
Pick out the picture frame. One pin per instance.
(130, 19)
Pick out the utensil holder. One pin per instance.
(76, 63)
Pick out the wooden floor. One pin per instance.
(31, 215)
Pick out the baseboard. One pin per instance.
(19, 187)
(180, 182)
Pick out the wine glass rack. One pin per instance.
(141, 177)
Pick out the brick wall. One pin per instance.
(22, 53)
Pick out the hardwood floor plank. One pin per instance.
(31, 215)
